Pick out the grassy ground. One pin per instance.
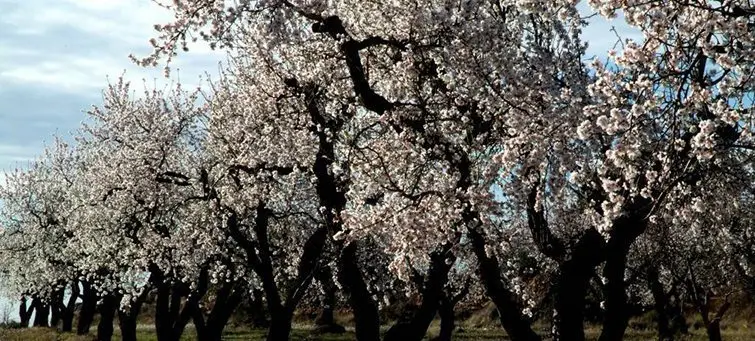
(302, 334)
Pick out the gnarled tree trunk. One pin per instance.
(25, 311)
(41, 318)
(431, 289)
(517, 326)
(88, 309)
(107, 309)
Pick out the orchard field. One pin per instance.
(415, 165)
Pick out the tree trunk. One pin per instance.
(24, 312)
(677, 321)
(616, 309)
(171, 316)
(127, 325)
(325, 321)
(127, 318)
(572, 284)
(660, 304)
(625, 231)
(256, 310)
(226, 300)
(55, 307)
(280, 325)
(41, 318)
(67, 311)
(366, 317)
(432, 293)
(88, 309)
(517, 326)
(107, 315)
(447, 319)
(163, 318)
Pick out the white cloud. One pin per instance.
(56, 56)
(94, 39)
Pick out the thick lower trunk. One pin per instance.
(280, 325)
(170, 318)
(677, 321)
(517, 326)
(88, 309)
(127, 318)
(432, 293)
(714, 331)
(572, 284)
(68, 310)
(25, 312)
(256, 310)
(226, 300)
(163, 320)
(447, 320)
(569, 305)
(325, 321)
(616, 308)
(366, 317)
(67, 320)
(625, 231)
(127, 325)
(41, 318)
(54, 314)
(660, 304)
(107, 309)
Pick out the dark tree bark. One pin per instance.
(325, 321)
(576, 267)
(25, 311)
(616, 317)
(107, 309)
(226, 300)
(660, 304)
(365, 309)
(572, 284)
(256, 310)
(677, 320)
(331, 189)
(625, 231)
(127, 318)
(517, 326)
(55, 303)
(259, 257)
(89, 300)
(171, 316)
(67, 308)
(431, 290)
(446, 313)
(42, 316)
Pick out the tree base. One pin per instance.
(330, 329)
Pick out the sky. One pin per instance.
(56, 57)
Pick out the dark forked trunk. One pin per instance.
(42, 316)
(127, 317)
(88, 309)
(660, 304)
(107, 308)
(25, 311)
(325, 321)
(431, 290)
(366, 317)
(517, 326)
(227, 299)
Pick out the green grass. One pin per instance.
(146, 334)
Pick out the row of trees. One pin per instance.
(438, 150)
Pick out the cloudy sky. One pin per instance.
(56, 55)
